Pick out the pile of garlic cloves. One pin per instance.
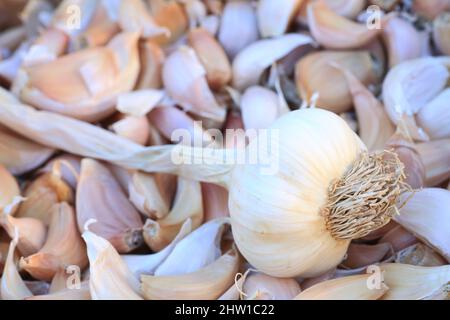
(93, 91)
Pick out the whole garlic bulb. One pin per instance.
(286, 223)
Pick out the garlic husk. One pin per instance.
(215, 201)
(41, 194)
(427, 216)
(259, 286)
(402, 41)
(170, 15)
(147, 263)
(399, 238)
(407, 282)
(100, 197)
(420, 255)
(238, 27)
(12, 285)
(69, 167)
(430, 8)
(409, 86)
(334, 31)
(140, 102)
(63, 246)
(361, 255)
(207, 283)
(152, 59)
(109, 276)
(204, 241)
(20, 155)
(315, 73)
(184, 78)
(9, 188)
(274, 16)
(212, 56)
(441, 32)
(375, 128)
(250, 63)
(435, 156)
(82, 293)
(187, 204)
(51, 44)
(347, 8)
(136, 129)
(345, 288)
(95, 77)
(435, 116)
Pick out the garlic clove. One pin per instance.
(361, 255)
(233, 293)
(61, 280)
(211, 23)
(41, 194)
(50, 44)
(136, 129)
(93, 78)
(435, 156)
(238, 27)
(347, 8)
(407, 282)
(147, 263)
(184, 78)
(109, 276)
(169, 15)
(68, 294)
(63, 246)
(100, 197)
(139, 103)
(426, 215)
(334, 31)
(215, 6)
(315, 73)
(187, 204)
(275, 16)
(10, 39)
(63, 14)
(212, 56)
(20, 155)
(68, 166)
(399, 238)
(207, 283)
(204, 241)
(250, 63)
(9, 68)
(345, 288)
(435, 116)
(419, 255)
(375, 128)
(309, 282)
(9, 188)
(259, 107)
(259, 286)
(215, 201)
(430, 8)
(441, 33)
(378, 233)
(12, 285)
(152, 59)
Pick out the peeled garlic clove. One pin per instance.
(134, 17)
(187, 204)
(315, 73)
(207, 283)
(434, 117)
(336, 32)
(250, 63)
(407, 282)
(259, 286)
(419, 255)
(136, 129)
(441, 32)
(82, 293)
(152, 59)
(204, 241)
(12, 285)
(41, 194)
(430, 8)
(93, 78)
(259, 108)
(48, 46)
(274, 16)
(345, 288)
(426, 215)
(409, 86)
(399, 238)
(347, 8)
(20, 155)
(184, 78)
(375, 128)
(100, 197)
(169, 15)
(238, 27)
(212, 56)
(109, 276)
(361, 255)
(402, 40)
(435, 156)
(63, 246)
(147, 263)
(9, 188)
(215, 201)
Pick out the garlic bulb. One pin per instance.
(274, 16)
